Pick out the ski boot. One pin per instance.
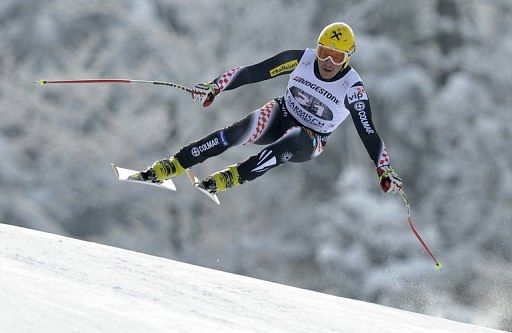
(162, 170)
(222, 180)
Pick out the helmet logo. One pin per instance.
(336, 35)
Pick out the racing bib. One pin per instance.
(317, 104)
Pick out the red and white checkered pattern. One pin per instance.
(263, 118)
(384, 157)
(225, 78)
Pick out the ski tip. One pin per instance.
(199, 186)
(114, 167)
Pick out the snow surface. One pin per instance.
(50, 283)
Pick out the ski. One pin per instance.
(127, 175)
(199, 186)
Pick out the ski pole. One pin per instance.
(409, 220)
(169, 84)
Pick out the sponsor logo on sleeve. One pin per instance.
(359, 106)
(287, 66)
(355, 94)
(196, 151)
(364, 121)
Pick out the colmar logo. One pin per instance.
(196, 151)
(364, 121)
(359, 106)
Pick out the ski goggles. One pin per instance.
(337, 57)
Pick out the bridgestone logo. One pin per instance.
(317, 88)
(196, 151)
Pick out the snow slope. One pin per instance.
(50, 283)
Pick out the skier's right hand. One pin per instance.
(204, 93)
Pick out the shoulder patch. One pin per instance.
(287, 66)
(357, 93)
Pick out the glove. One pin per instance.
(389, 180)
(204, 93)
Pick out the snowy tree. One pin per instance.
(438, 76)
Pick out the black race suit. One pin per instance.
(287, 136)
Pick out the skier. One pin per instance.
(322, 91)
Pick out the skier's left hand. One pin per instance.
(204, 93)
(389, 180)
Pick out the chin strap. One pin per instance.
(345, 65)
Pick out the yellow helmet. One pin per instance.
(338, 36)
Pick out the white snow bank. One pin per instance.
(50, 283)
